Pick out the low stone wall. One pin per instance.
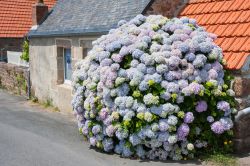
(241, 86)
(14, 78)
(242, 132)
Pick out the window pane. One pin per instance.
(67, 64)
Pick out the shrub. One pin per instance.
(155, 88)
(25, 53)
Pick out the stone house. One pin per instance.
(66, 36)
(15, 22)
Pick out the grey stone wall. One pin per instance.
(46, 68)
(14, 78)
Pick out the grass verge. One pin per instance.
(221, 160)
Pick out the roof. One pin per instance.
(15, 17)
(75, 17)
(230, 20)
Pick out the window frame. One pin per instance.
(66, 81)
(86, 45)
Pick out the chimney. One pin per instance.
(39, 11)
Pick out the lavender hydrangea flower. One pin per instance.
(189, 117)
(227, 123)
(93, 141)
(96, 129)
(201, 106)
(108, 144)
(163, 125)
(110, 130)
(103, 113)
(223, 106)
(183, 131)
(210, 119)
(217, 127)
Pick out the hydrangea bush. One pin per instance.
(155, 88)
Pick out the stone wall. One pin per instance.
(241, 86)
(47, 68)
(14, 78)
(168, 8)
(242, 132)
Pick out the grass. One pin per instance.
(221, 160)
(48, 103)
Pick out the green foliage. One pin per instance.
(21, 83)
(25, 54)
(126, 62)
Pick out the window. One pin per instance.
(67, 65)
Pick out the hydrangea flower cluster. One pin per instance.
(154, 88)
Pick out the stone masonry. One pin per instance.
(242, 132)
(168, 8)
(241, 86)
(14, 78)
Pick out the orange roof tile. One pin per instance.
(15, 17)
(230, 21)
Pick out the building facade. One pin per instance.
(52, 63)
(70, 33)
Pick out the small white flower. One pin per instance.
(190, 146)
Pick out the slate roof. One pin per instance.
(230, 20)
(75, 17)
(15, 17)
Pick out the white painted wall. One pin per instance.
(14, 58)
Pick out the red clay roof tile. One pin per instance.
(15, 17)
(230, 21)
(226, 6)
